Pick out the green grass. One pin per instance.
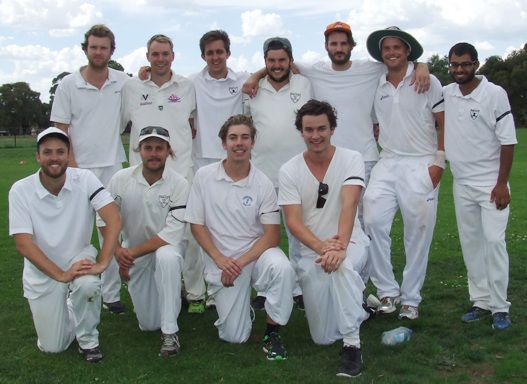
(442, 349)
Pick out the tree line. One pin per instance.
(21, 109)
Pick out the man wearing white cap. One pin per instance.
(51, 216)
(152, 199)
(407, 176)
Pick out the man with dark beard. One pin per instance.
(152, 199)
(51, 216)
(274, 111)
(87, 107)
(479, 142)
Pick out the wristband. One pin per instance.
(440, 159)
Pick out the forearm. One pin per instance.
(34, 254)
(270, 239)
(71, 158)
(506, 159)
(202, 236)
(149, 246)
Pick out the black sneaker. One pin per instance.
(258, 303)
(350, 362)
(274, 348)
(299, 300)
(117, 308)
(92, 355)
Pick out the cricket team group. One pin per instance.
(219, 159)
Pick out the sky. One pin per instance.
(41, 39)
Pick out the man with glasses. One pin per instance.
(319, 192)
(152, 199)
(167, 99)
(479, 141)
(407, 176)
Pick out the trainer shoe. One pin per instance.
(350, 362)
(388, 305)
(117, 308)
(474, 314)
(299, 300)
(408, 312)
(210, 303)
(258, 303)
(274, 347)
(91, 355)
(370, 311)
(501, 320)
(169, 344)
(197, 306)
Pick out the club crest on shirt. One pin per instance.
(164, 200)
(145, 100)
(174, 99)
(247, 201)
(474, 113)
(295, 97)
(233, 90)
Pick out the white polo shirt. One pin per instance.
(61, 225)
(476, 126)
(406, 120)
(93, 118)
(351, 93)
(299, 186)
(148, 210)
(216, 101)
(168, 106)
(233, 212)
(274, 114)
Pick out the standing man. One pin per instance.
(349, 86)
(273, 110)
(479, 141)
(86, 106)
(234, 216)
(152, 200)
(51, 216)
(167, 100)
(408, 173)
(319, 192)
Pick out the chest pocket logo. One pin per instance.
(163, 200)
(474, 113)
(247, 201)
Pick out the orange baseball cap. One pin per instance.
(338, 26)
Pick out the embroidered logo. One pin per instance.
(295, 97)
(474, 113)
(384, 97)
(174, 99)
(160, 107)
(233, 90)
(164, 200)
(247, 201)
(145, 100)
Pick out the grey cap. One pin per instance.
(278, 43)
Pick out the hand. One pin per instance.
(250, 87)
(125, 274)
(500, 196)
(226, 280)
(144, 73)
(228, 265)
(77, 269)
(96, 269)
(331, 261)
(294, 69)
(421, 78)
(193, 130)
(435, 173)
(332, 244)
(124, 258)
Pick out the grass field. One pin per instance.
(442, 349)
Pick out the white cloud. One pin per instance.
(256, 23)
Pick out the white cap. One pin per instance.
(53, 131)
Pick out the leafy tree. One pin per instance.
(20, 108)
(115, 65)
(54, 84)
(438, 66)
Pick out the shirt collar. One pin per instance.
(231, 75)
(42, 192)
(222, 175)
(137, 174)
(478, 92)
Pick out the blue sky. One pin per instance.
(39, 40)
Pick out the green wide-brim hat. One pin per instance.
(374, 43)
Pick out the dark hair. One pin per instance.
(212, 36)
(237, 120)
(160, 39)
(316, 108)
(461, 49)
(351, 42)
(99, 30)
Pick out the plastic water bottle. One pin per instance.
(396, 336)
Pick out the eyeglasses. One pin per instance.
(464, 65)
(323, 189)
(154, 130)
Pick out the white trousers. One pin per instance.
(400, 183)
(334, 301)
(155, 288)
(71, 310)
(271, 274)
(482, 235)
(111, 280)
